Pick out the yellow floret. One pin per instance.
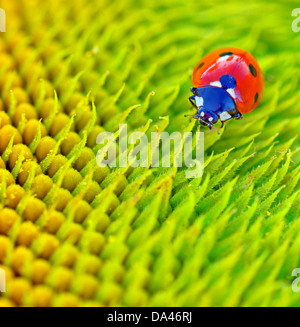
(2, 163)
(27, 232)
(7, 176)
(66, 300)
(7, 219)
(48, 106)
(61, 199)
(4, 119)
(59, 122)
(41, 296)
(52, 221)
(6, 133)
(14, 194)
(5, 247)
(16, 152)
(21, 259)
(26, 169)
(69, 142)
(31, 129)
(57, 162)
(24, 109)
(86, 155)
(71, 179)
(39, 270)
(18, 289)
(19, 94)
(41, 186)
(34, 209)
(45, 146)
(85, 286)
(45, 245)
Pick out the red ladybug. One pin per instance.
(228, 83)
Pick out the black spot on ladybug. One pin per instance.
(200, 65)
(252, 70)
(255, 97)
(223, 54)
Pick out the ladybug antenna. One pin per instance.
(194, 116)
(210, 126)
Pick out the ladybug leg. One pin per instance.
(222, 124)
(238, 116)
(192, 100)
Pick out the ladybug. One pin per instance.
(227, 83)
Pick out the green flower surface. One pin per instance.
(75, 234)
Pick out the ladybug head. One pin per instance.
(205, 118)
(213, 102)
(210, 102)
